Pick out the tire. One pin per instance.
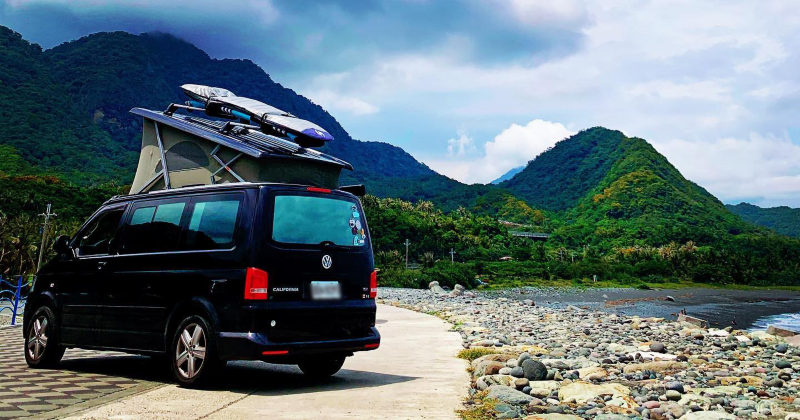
(42, 345)
(191, 346)
(320, 367)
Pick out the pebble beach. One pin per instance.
(571, 362)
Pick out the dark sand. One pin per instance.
(744, 309)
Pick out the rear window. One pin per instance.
(314, 220)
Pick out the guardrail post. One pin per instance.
(16, 300)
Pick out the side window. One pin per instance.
(212, 223)
(96, 238)
(154, 227)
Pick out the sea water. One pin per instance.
(790, 321)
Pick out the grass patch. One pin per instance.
(499, 284)
(481, 409)
(472, 354)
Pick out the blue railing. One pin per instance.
(13, 295)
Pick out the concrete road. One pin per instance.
(414, 374)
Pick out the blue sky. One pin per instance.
(474, 88)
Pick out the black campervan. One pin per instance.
(199, 275)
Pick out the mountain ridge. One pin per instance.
(782, 219)
(156, 64)
(597, 183)
(508, 175)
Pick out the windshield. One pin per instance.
(315, 220)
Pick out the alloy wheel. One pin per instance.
(190, 353)
(37, 338)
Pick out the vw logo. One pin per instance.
(327, 262)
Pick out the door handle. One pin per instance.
(101, 265)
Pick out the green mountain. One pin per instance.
(614, 191)
(76, 97)
(784, 220)
(40, 125)
(107, 74)
(67, 138)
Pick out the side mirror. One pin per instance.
(61, 245)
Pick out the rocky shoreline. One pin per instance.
(546, 362)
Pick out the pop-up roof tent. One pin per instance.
(257, 143)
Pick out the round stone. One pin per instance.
(674, 386)
(534, 370)
(673, 395)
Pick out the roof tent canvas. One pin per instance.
(199, 151)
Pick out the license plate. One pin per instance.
(325, 290)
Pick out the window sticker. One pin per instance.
(352, 222)
(358, 224)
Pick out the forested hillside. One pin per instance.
(629, 194)
(613, 205)
(784, 220)
(39, 123)
(107, 74)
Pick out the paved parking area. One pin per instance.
(83, 380)
(414, 374)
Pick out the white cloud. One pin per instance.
(709, 90)
(537, 12)
(688, 70)
(334, 103)
(461, 146)
(759, 167)
(513, 147)
(661, 71)
(518, 144)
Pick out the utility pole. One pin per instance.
(47, 215)
(451, 255)
(407, 254)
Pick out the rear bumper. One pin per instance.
(257, 346)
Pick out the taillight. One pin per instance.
(275, 352)
(256, 284)
(317, 189)
(373, 284)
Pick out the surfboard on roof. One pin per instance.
(247, 140)
(271, 119)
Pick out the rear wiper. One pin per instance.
(330, 244)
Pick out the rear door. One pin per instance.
(317, 252)
(317, 238)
